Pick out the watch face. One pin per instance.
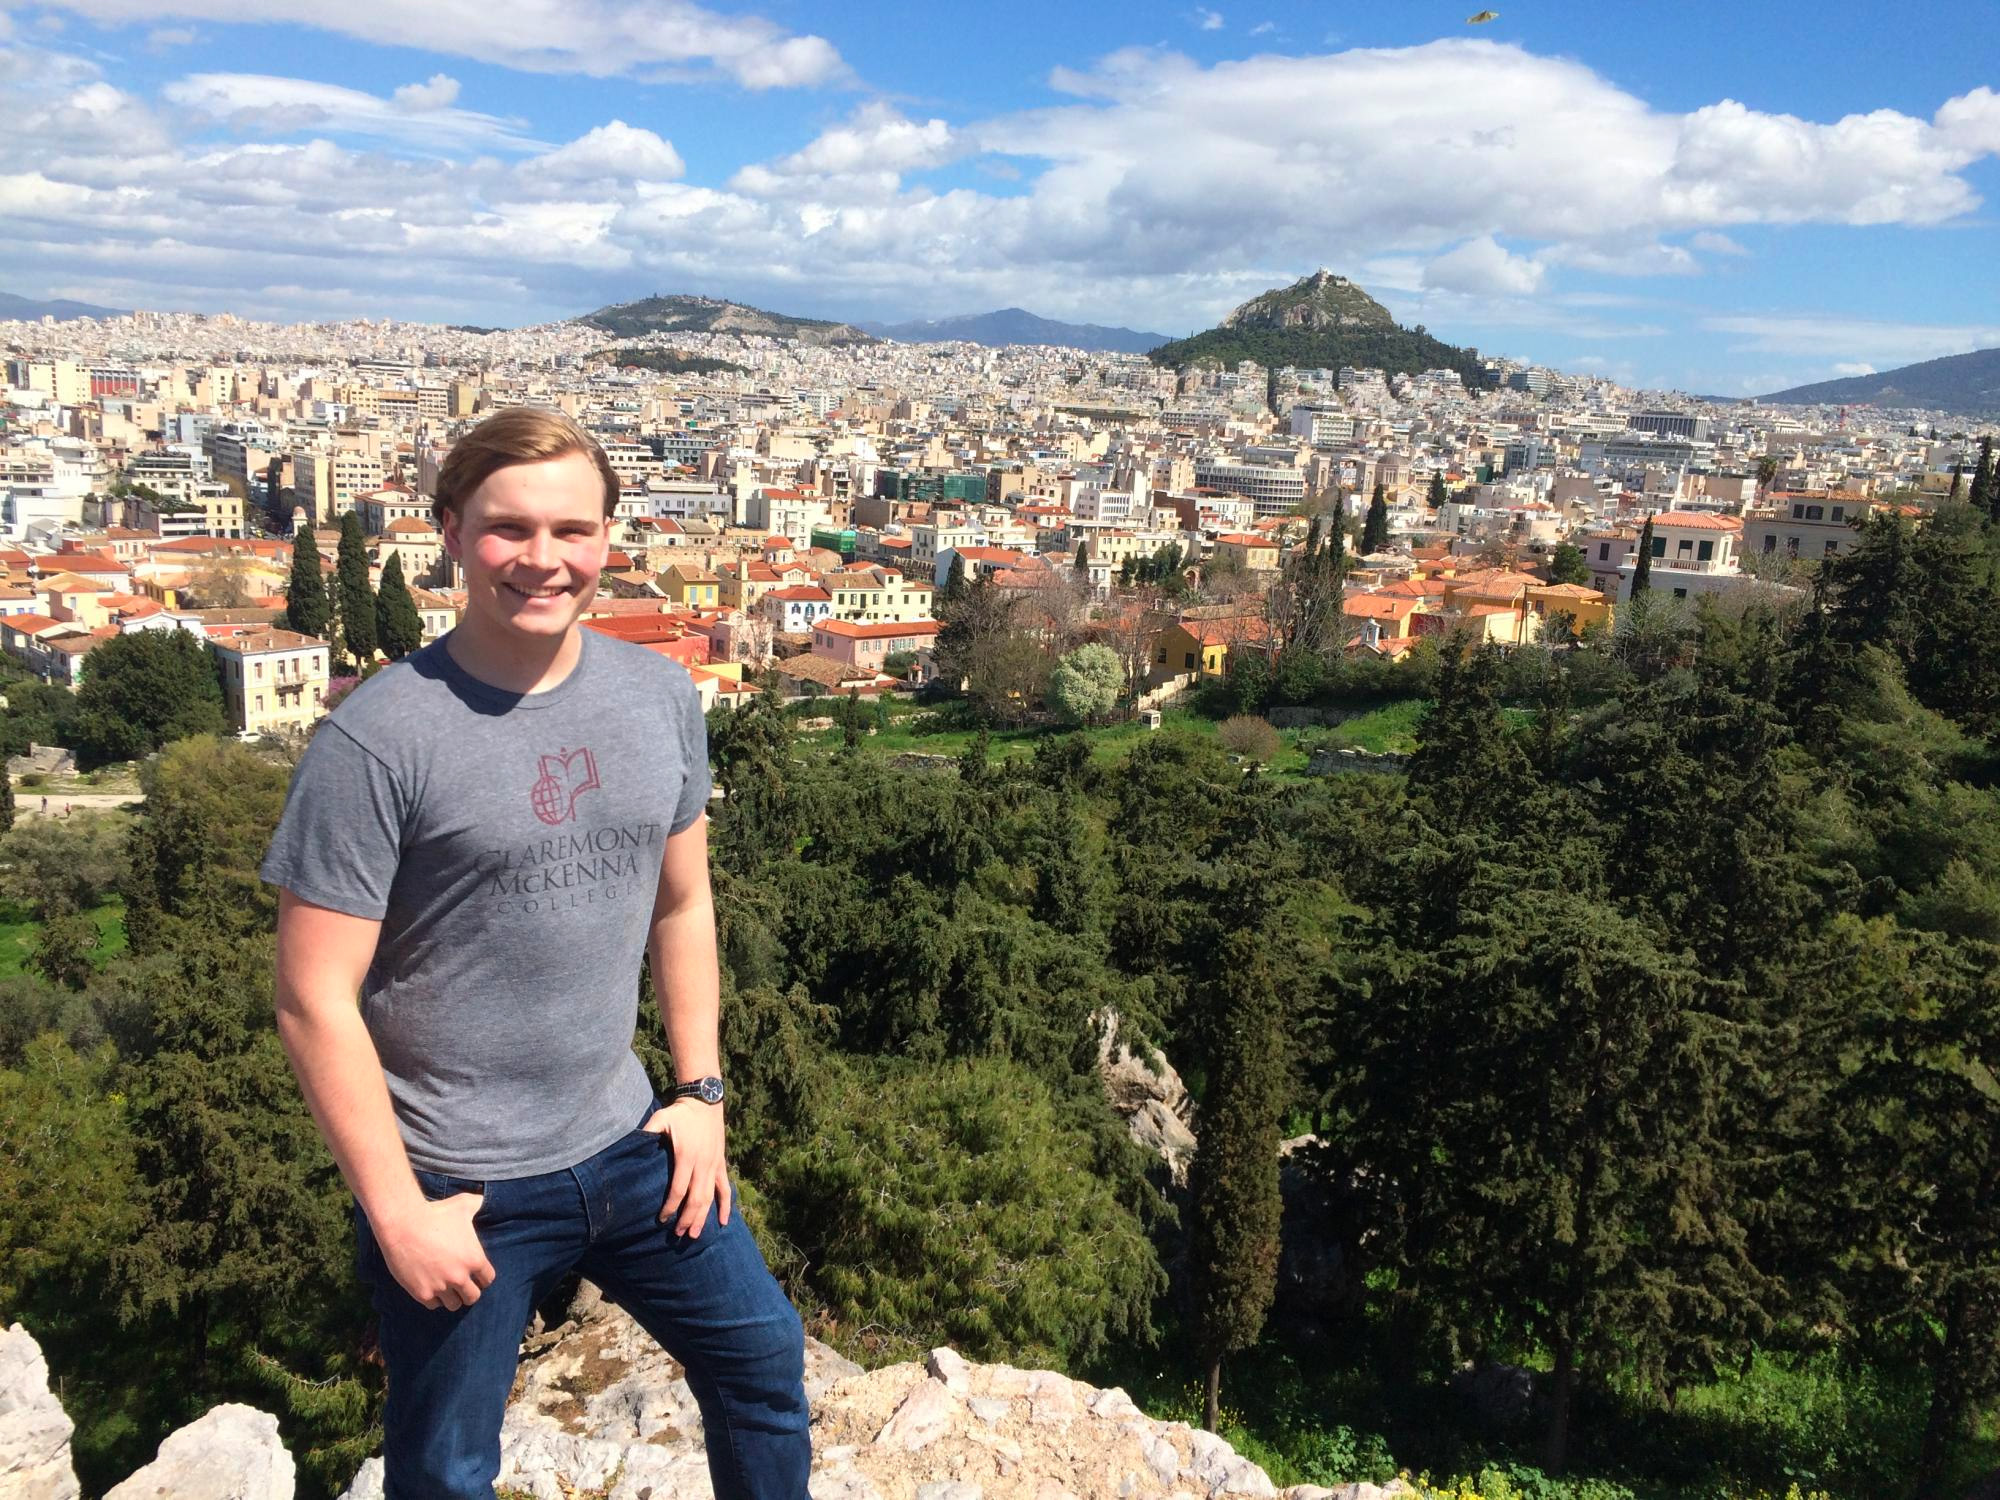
(711, 1090)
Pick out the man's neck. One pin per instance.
(508, 662)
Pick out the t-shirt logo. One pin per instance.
(566, 776)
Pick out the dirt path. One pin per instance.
(28, 801)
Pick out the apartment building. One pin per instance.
(273, 681)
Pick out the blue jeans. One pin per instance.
(710, 1302)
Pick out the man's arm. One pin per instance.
(323, 955)
(686, 979)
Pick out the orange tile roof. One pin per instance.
(1697, 520)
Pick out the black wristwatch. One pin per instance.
(707, 1090)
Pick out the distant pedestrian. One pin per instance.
(65, 809)
(45, 807)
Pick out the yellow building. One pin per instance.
(1203, 646)
(691, 585)
(1253, 554)
(273, 681)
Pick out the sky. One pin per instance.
(1707, 196)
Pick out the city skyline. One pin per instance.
(1713, 202)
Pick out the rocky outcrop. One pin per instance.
(232, 1453)
(599, 1409)
(603, 1410)
(1149, 1094)
(34, 1431)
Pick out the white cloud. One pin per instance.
(1463, 181)
(1483, 267)
(436, 92)
(1206, 19)
(1854, 369)
(1263, 28)
(1972, 121)
(613, 151)
(160, 38)
(261, 104)
(1713, 243)
(601, 38)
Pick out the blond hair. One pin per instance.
(516, 435)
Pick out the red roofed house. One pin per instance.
(797, 609)
(1694, 553)
(661, 634)
(869, 646)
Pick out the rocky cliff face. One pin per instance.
(600, 1410)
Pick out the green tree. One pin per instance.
(1985, 493)
(398, 626)
(6, 798)
(1435, 496)
(1233, 1184)
(1083, 562)
(946, 1205)
(1085, 684)
(357, 597)
(1567, 565)
(307, 609)
(54, 865)
(63, 950)
(142, 689)
(65, 1171)
(1642, 570)
(1375, 529)
(211, 808)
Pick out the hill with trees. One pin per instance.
(676, 313)
(669, 361)
(1320, 322)
(1965, 384)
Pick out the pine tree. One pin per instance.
(357, 598)
(398, 626)
(1642, 574)
(307, 608)
(1233, 1185)
(1375, 529)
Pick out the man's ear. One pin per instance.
(448, 529)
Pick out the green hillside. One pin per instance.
(1965, 384)
(1320, 322)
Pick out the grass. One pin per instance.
(1110, 744)
(18, 930)
(1389, 730)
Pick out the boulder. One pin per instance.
(1149, 1094)
(232, 1453)
(34, 1432)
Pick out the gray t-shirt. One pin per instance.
(510, 845)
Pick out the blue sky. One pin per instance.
(1722, 198)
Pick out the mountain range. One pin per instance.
(1321, 322)
(1967, 385)
(30, 309)
(1015, 325)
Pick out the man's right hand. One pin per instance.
(435, 1254)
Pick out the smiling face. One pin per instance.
(532, 540)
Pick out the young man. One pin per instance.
(481, 842)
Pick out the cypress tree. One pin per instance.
(1985, 491)
(954, 584)
(1082, 561)
(307, 608)
(1957, 481)
(6, 801)
(1375, 530)
(1642, 575)
(357, 599)
(1436, 495)
(1233, 1184)
(398, 626)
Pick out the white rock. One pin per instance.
(34, 1431)
(949, 1366)
(1113, 1404)
(949, 1489)
(1164, 1458)
(989, 1409)
(1218, 1466)
(367, 1482)
(232, 1453)
(925, 1415)
(842, 1484)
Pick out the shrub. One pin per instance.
(1250, 737)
